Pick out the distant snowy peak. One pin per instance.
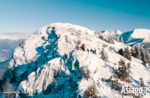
(112, 32)
(136, 36)
(10, 37)
(141, 33)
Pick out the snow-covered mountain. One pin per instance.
(136, 37)
(49, 64)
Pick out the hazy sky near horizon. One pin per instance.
(26, 16)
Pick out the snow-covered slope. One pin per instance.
(48, 65)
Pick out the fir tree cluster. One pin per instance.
(137, 52)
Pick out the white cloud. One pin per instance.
(3, 31)
(14, 33)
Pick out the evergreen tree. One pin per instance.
(137, 53)
(141, 82)
(114, 37)
(104, 55)
(127, 53)
(23, 43)
(102, 38)
(117, 39)
(132, 52)
(121, 52)
(121, 40)
(143, 56)
(147, 56)
(110, 39)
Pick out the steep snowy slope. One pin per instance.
(48, 64)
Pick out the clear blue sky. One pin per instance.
(29, 15)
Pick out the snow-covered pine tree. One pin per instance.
(143, 56)
(110, 39)
(137, 52)
(127, 53)
(147, 56)
(141, 82)
(121, 40)
(132, 52)
(104, 55)
(117, 39)
(101, 37)
(121, 52)
(114, 37)
(22, 43)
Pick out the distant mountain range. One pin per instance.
(7, 45)
(136, 37)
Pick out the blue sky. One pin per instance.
(26, 16)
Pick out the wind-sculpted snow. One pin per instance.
(48, 64)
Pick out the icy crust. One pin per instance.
(48, 65)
